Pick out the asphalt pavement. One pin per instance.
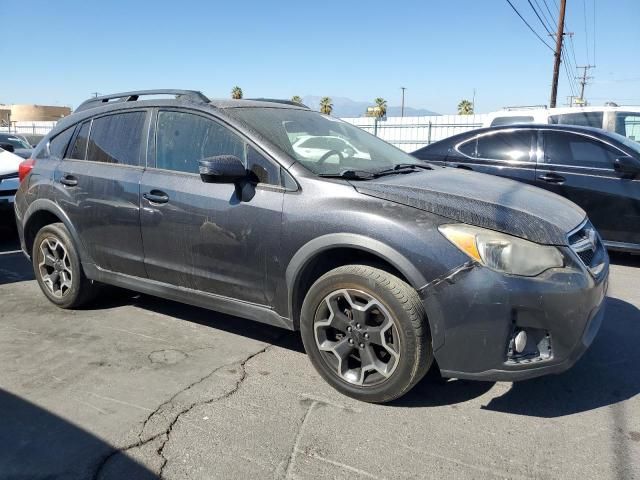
(138, 387)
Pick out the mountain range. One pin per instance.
(346, 107)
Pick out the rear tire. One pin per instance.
(57, 268)
(365, 332)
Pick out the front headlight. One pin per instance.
(503, 253)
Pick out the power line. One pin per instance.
(530, 27)
(586, 29)
(553, 19)
(547, 22)
(594, 31)
(539, 17)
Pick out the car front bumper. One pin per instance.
(474, 314)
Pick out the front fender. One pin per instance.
(348, 240)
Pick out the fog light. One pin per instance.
(520, 341)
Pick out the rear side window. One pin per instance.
(79, 149)
(58, 144)
(563, 148)
(510, 146)
(584, 119)
(117, 138)
(183, 139)
(499, 121)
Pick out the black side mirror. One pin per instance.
(7, 146)
(222, 169)
(626, 165)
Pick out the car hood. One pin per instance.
(9, 162)
(483, 200)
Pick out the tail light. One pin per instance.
(25, 168)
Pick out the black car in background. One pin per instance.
(598, 170)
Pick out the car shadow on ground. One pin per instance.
(38, 444)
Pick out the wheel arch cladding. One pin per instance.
(44, 212)
(325, 253)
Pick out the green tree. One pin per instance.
(236, 93)
(381, 107)
(326, 106)
(465, 107)
(296, 98)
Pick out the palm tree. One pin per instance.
(326, 106)
(381, 107)
(236, 93)
(465, 107)
(297, 99)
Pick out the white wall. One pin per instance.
(411, 133)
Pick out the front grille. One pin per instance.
(7, 193)
(586, 244)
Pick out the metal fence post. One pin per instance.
(429, 133)
(375, 126)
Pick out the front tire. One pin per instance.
(365, 332)
(57, 268)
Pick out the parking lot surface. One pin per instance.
(137, 387)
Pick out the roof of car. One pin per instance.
(597, 132)
(181, 97)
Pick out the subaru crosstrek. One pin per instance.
(385, 264)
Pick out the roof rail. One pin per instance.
(192, 95)
(278, 100)
(525, 107)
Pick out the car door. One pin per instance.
(505, 153)
(98, 186)
(203, 236)
(581, 168)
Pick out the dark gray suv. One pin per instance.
(279, 214)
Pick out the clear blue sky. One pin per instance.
(58, 52)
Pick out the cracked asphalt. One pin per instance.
(138, 387)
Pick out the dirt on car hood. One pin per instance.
(483, 200)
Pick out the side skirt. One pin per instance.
(230, 306)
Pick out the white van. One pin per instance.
(622, 120)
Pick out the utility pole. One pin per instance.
(95, 94)
(402, 108)
(558, 54)
(583, 80)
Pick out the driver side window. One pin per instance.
(183, 139)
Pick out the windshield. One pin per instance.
(15, 141)
(323, 144)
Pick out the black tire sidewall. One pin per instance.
(59, 232)
(404, 375)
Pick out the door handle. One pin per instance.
(156, 196)
(552, 178)
(69, 180)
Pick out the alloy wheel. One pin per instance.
(55, 267)
(357, 337)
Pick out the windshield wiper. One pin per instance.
(350, 175)
(403, 168)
